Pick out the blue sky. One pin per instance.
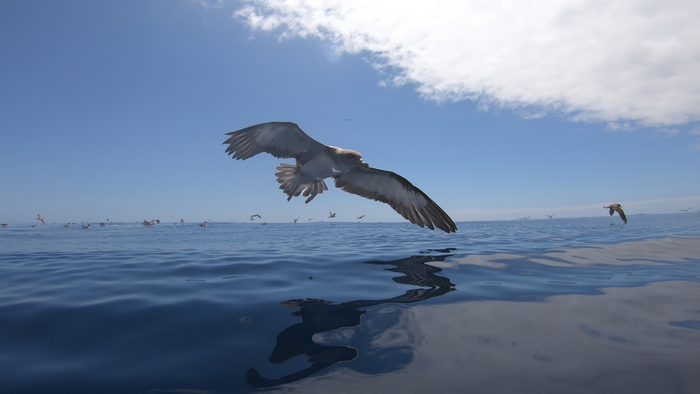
(118, 109)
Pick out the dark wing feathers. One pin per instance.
(622, 214)
(280, 139)
(393, 189)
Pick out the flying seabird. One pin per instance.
(295, 220)
(38, 217)
(252, 217)
(360, 217)
(331, 214)
(550, 216)
(617, 208)
(316, 161)
(87, 227)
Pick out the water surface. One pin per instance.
(561, 305)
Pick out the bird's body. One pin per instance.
(38, 217)
(4, 224)
(252, 217)
(360, 217)
(203, 224)
(617, 208)
(550, 216)
(316, 162)
(331, 215)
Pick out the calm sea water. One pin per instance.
(562, 306)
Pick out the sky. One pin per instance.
(497, 110)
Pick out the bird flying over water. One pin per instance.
(252, 217)
(331, 214)
(360, 217)
(38, 217)
(316, 161)
(550, 216)
(295, 220)
(617, 208)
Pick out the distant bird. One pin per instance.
(149, 222)
(550, 216)
(331, 215)
(4, 224)
(617, 208)
(264, 223)
(38, 217)
(34, 225)
(295, 220)
(310, 219)
(525, 218)
(316, 161)
(252, 217)
(67, 225)
(686, 210)
(203, 224)
(360, 217)
(182, 222)
(87, 227)
(103, 225)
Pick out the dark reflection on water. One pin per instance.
(321, 315)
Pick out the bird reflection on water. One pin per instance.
(321, 315)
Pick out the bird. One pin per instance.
(316, 161)
(87, 227)
(203, 224)
(360, 217)
(38, 217)
(295, 220)
(550, 216)
(4, 224)
(686, 210)
(34, 225)
(331, 214)
(617, 208)
(182, 222)
(252, 217)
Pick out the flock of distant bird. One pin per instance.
(612, 209)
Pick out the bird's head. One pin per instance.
(351, 157)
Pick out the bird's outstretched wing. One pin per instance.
(622, 214)
(393, 189)
(280, 139)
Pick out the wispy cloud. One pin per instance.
(612, 61)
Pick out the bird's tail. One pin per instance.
(289, 177)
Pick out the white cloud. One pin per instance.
(612, 61)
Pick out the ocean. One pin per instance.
(581, 305)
